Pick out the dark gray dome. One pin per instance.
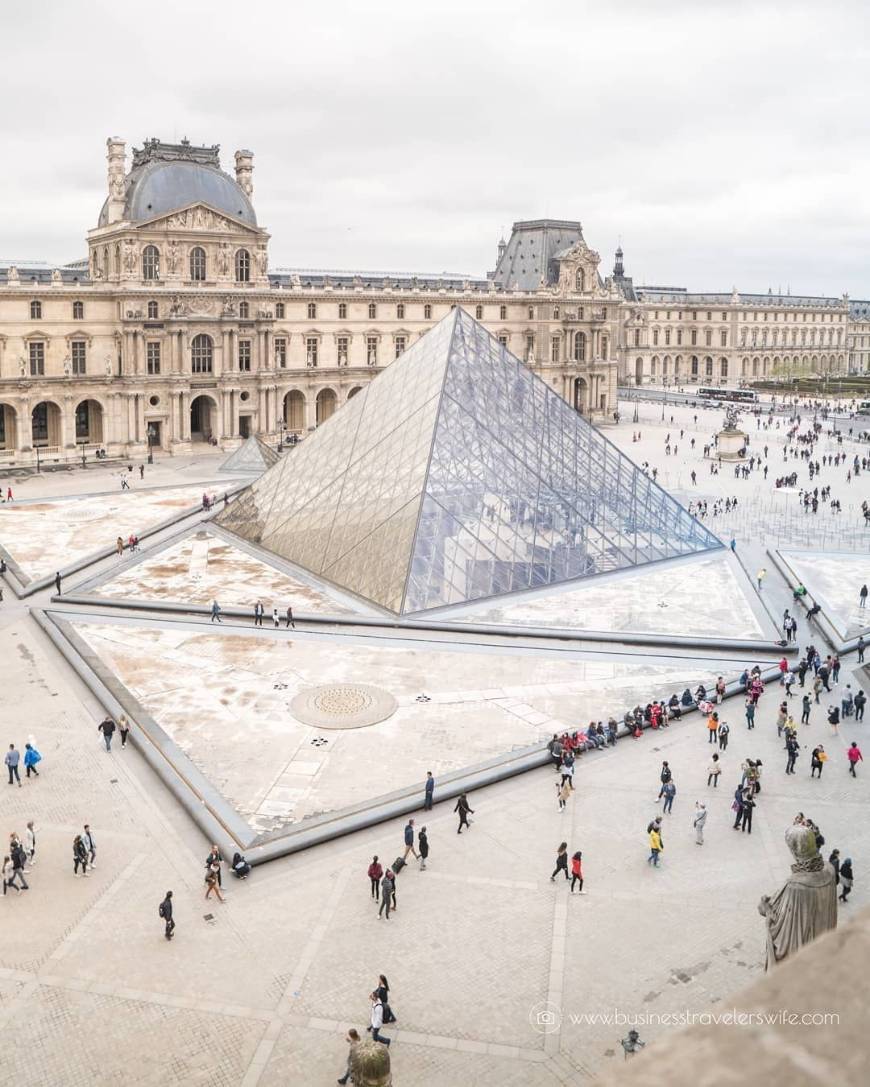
(158, 188)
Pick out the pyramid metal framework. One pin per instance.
(253, 455)
(458, 474)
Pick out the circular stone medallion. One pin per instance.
(343, 705)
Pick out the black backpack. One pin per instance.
(161, 909)
(18, 855)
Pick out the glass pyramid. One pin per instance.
(253, 455)
(459, 474)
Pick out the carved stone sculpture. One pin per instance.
(129, 255)
(806, 905)
(224, 258)
(172, 257)
(370, 1065)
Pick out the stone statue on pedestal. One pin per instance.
(806, 906)
(370, 1065)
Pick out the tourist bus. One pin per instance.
(740, 396)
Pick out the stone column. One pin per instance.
(67, 423)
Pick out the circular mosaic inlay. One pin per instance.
(81, 512)
(343, 705)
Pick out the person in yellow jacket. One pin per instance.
(655, 847)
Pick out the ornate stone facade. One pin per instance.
(175, 331)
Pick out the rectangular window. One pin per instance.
(311, 351)
(37, 359)
(79, 353)
(530, 347)
(372, 350)
(342, 310)
(342, 344)
(667, 336)
(152, 357)
(502, 313)
(400, 345)
(655, 337)
(723, 338)
(400, 311)
(280, 352)
(244, 354)
(554, 349)
(427, 312)
(679, 337)
(708, 337)
(502, 339)
(637, 337)
(279, 310)
(694, 336)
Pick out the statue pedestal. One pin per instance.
(731, 444)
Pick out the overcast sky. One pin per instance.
(725, 143)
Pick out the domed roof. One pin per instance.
(167, 177)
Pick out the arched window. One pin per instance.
(153, 312)
(580, 347)
(556, 313)
(502, 313)
(150, 262)
(201, 354)
(312, 310)
(580, 280)
(478, 312)
(243, 266)
(78, 311)
(342, 310)
(373, 311)
(531, 313)
(35, 311)
(244, 311)
(197, 263)
(427, 312)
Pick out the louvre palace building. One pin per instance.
(175, 330)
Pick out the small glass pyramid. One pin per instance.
(253, 455)
(458, 474)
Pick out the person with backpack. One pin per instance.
(165, 911)
(383, 990)
(80, 856)
(31, 758)
(375, 871)
(846, 878)
(670, 791)
(377, 1019)
(423, 846)
(90, 845)
(18, 858)
(664, 778)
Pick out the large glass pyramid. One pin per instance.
(459, 474)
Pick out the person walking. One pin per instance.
(806, 706)
(854, 756)
(31, 758)
(57, 582)
(793, 749)
(861, 646)
(119, 547)
(746, 811)
(165, 911)
(383, 990)
(276, 620)
(860, 703)
(288, 618)
(862, 597)
(80, 856)
(664, 777)
(388, 887)
(577, 872)
(215, 857)
(655, 846)
(699, 821)
(107, 727)
(377, 1019)
(258, 613)
(30, 837)
(375, 871)
(817, 761)
(561, 862)
(737, 805)
(216, 612)
(750, 713)
(429, 791)
(846, 878)
(6, 867)
(713, 772)
(123, 729)
(724, 730)
(211, 881)
(353, 1039)
(669, 793)
(409, 842)
(90, 845)
(423, 846)
(17, 858)
(563, 792)
(13, 757)
(462, 806)
(759, 577)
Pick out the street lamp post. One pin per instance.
(84, 465)
(149, 436)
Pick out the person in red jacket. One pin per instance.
(577, 872)
(854, 756)
(375, 873)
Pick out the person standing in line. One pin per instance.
(669, 793)
(80, 856)
(57, 582)
(288, 618)
(409, 841)
(12, 759)
(31, 758)
(165, 911)
(793, 749)
(388, 886)
(724, 730)
(423, 846)
(377, 1018)
(854, 756)
(655, 847)
(846, 878)
(107, 727)
(746, 811)
(737, 805)
(375, 871)
(577, 872)
(276, 620)
(30, 836)
(713, 772)
(862, 597)
(806, 706)
(462, 806)
(352, 1038)
(216, 612)
(123, 729)
(561, 862)
(90, 846)
(258, 613)
(429, 792)
(699, 821)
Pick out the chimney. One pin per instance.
(116, 153)
(245, 171)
